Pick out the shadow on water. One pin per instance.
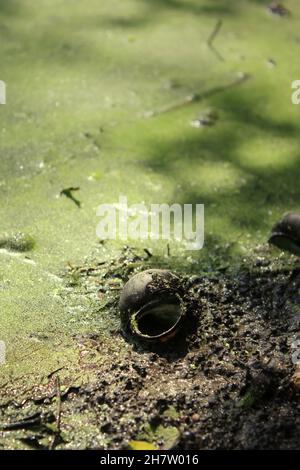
(264, 187)
(154, 9)
(9, 7)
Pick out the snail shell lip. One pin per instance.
(148, 309)
(135, 292)
(151, 306)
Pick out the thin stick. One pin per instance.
(55, 372)
(148, 253)
(25, 423)
(168, 250)
(189, 99)
(58, 416)
(212, 37)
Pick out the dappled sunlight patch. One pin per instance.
(212, 177)
(268, 151)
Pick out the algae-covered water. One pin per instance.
(92, 103)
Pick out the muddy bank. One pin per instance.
(227, 382)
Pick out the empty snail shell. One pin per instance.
(151, 305)
(286, 233)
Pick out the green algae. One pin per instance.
(19, 242)
(171, 412)
(167, 435)
(141, 445)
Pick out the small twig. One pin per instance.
(68, 192)
(25, 423)
(172, 107)
(189, 99)
(4, 385)
(54, 372)
(148, 253)
(94, 141)
(214, 32)
(56, 436)
(212, 37)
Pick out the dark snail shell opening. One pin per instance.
(285, 242)
(158, 319)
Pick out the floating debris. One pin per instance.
(68, 192)
(286, 233)
(170, 84)
(206, 119)
(151, 305)
(212, 37)
(276, 8)
(271, 63)
(94, 141)
(19, 242)
(196, 97)
(34, 420)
